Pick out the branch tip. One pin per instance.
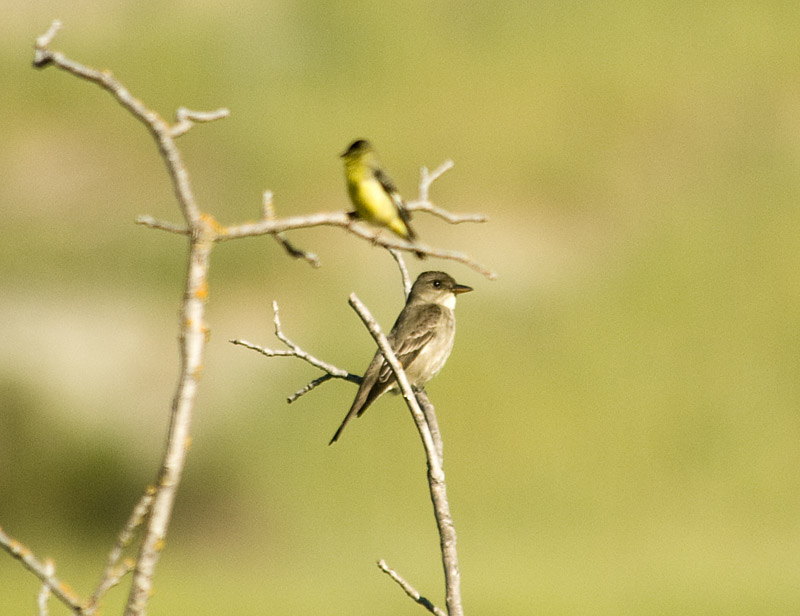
(410, 590)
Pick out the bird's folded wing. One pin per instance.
(413, 331)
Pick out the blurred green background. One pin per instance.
(621, 410)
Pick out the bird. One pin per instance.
(421, 338)
(373, 193)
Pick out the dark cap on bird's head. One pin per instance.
(358, 147)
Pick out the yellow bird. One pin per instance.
(372, 191)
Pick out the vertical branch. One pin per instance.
(44, 592)
(203, 233)
(433, 423)
(192, 344)
(436, 479)
(401, 264)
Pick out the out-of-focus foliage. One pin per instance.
(621, 409)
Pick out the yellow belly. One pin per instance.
(372, 202)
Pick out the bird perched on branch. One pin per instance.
(421, 338)
(374, 195)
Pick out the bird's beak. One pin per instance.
(461, 288)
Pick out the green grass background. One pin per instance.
(621, 410)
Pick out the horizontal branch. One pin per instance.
(154, 223)
(341, 219)
(186, 118)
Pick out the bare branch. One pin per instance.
(44, 593)
(268, 213)
(330, 370)
(433, 423)
(436, 480)
(159, 129)
(41, 57)
(401, 264)
(316, 383)
(61, 590)
(153, 223)
(341, 219)
(427, 178)
(427, 206)
(424, 204)
(410, 590)
(186, 118)
(114, 572)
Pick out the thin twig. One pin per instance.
(44, 592)
(114, 572)
(61, 590)
(294, 350)
(268, 213)
(153, 223)
(401, 264)
(423, 202)
(186, 118)
(436, 479)
(410, 590)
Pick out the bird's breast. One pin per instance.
(432, 357)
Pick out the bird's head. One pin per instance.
(436, 288)
(358, 151)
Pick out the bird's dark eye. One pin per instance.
(437, 283)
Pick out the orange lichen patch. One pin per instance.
(201, 292)
(129, 563)
(151, 490)
(159, 545)
(209, 220)
(187, 443)
(19, 549)
(67, 590)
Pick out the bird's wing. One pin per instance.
(386, 181)
(408, 340)
(391, 190)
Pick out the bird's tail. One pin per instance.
(347, 418)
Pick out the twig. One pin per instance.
(294, 350)
(186, 118)
(401, 264)
(114, 573)
(61, 590)
(44, 592)
(436, 479)
(410, 590)
(423, 202)
(153, 223)
(268, 213)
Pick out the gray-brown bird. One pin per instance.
(422, 338)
